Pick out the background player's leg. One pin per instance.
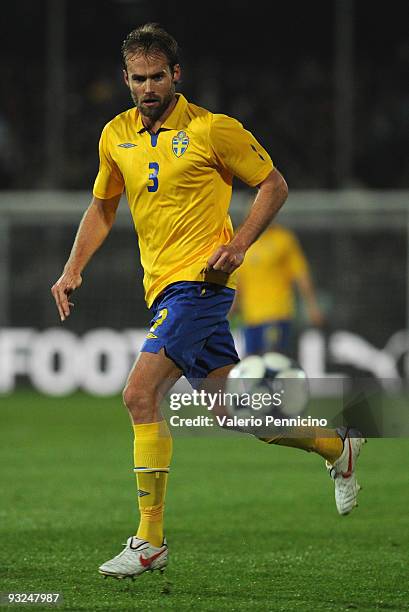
(151, 377)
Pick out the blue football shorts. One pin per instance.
(190, 322)
(271, 336)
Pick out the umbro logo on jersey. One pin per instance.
(127, 145)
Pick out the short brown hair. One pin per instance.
(149, 39)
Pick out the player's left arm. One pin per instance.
(271, 195)
(306, 288)
(300, 271)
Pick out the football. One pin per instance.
(267, 385)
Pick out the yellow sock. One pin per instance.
(152, 455)
(324, 442)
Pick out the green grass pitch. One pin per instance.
(250, 527)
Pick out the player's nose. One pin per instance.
(149, 86)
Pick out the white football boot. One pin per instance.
(137, 557)
(343, 471)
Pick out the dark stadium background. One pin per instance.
(324, 86)
(277, 72)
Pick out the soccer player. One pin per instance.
(274, 268)
(176, 163)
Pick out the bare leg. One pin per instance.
(150, 378)
(152, 375)
(215, 382)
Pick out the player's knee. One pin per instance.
(139, 401)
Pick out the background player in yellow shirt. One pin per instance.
(176, 162)
(275, 267)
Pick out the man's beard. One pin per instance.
(154, 112)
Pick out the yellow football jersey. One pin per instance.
(178, 184)
(267, 275)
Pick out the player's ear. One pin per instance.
(177, 73)
(125, 73)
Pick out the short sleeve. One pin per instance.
(236, 150)
(109, 181)
(297, 260)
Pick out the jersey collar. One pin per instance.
(176, 119)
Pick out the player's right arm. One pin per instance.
(95, 226)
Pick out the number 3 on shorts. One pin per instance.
(153, 176)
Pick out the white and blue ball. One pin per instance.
(273, 374)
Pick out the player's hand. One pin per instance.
(66, 284)
(226, 258)
(316, 316)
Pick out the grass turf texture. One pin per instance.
(250, 527)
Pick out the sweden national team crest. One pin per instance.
(180, 143)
